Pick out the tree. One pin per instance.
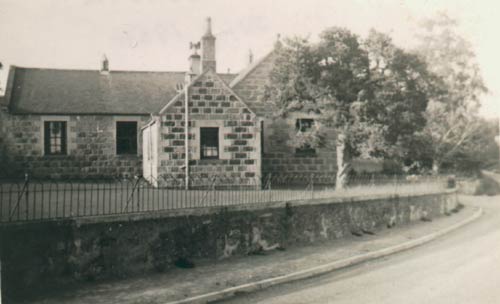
(356, 89)
(399, 90)
(472, 150)
(452, 112)
(327, 78)
(481, 150)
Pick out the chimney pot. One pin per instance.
(195, 64)
(208, 28)
(104, 65)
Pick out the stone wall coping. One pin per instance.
(142, 216)
(132, 217)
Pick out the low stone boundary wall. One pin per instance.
(56, 253)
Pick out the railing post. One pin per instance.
(186, 188)
(269, 186)
(26, 181)
(138, 193)
(214, 180)
(312, 185)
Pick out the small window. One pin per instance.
(209, 142)
(126, 137)
(304, 124)
(55, 138)
(305, 150)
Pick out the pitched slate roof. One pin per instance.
(251, 82)
(52, 91)
(249, 69)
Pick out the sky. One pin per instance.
(155, 35)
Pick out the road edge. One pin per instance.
(325, 268)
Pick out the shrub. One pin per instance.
(487, 186)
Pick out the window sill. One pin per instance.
(304, 155)
(211, 161)
(127, 155)
(55, 155)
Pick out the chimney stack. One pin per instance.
(208, 48)
(104, 65)
(195, 59)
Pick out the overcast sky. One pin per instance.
(154, 35)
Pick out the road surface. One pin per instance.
(461, 267)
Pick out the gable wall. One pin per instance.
(90, 143)
(279, 155)
(211, 104)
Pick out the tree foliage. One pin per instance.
(399, 90)
(452, 120)
(372, 94)
(381, 100)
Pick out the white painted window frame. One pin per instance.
(65, 118)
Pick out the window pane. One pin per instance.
(126, 137)
(55, 137)
(209, 142)
(305, 150)
(304, 124)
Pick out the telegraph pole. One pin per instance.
(1, 67)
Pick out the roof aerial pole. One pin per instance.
(193, 71)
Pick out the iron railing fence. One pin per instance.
(41, 200)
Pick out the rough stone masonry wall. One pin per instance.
(279, 155)
(211, 104)
(38, 255)
(90, 143)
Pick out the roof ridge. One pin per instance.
(91, 70)
(111, 71)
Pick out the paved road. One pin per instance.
(462, 267)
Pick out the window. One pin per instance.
(55, 138)
(305, 150)
(304, 125)
(126, 137)
(209, 142)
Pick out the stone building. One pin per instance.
(104, 123)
